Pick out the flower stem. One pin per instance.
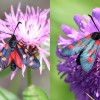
(29, 77)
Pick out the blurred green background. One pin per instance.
(62, 12)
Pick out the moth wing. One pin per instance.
(27, 57)
(76, 47)
(16, 60)
(88, 56)
(5, 58)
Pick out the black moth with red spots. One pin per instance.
(15, 54)
(86, 49)
(95, 36)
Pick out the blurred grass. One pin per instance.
(62, 12)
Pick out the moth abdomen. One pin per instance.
(13, 65)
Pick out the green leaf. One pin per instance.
(6, 95)
(34, 93)
(5, 72)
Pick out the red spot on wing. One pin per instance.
(97, 42)
(79, 45)
(89, 59)
(70, 46)
(89, 51)
(94, 51)
(15, 56)
(79, 41)
(89, 36)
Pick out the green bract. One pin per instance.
(34, 93)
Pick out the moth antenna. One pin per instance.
(16, 27)
(14, 30)
(93, 22)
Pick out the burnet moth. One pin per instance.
(86, 48)
(15, 53)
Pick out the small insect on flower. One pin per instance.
(87, 49)
(15, 53)
(34, 32)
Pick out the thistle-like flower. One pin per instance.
(81, 82)
(34, 31)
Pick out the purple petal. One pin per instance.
(96, 13)
(78, 19)
(40, 69)
(46, 61)
(97, 94)
(72, 33)
(80, 22)
(63, 41)
(23, 70)
(13, 74)
(66, 29)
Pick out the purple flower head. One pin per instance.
(81, 82)
(34, 31)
